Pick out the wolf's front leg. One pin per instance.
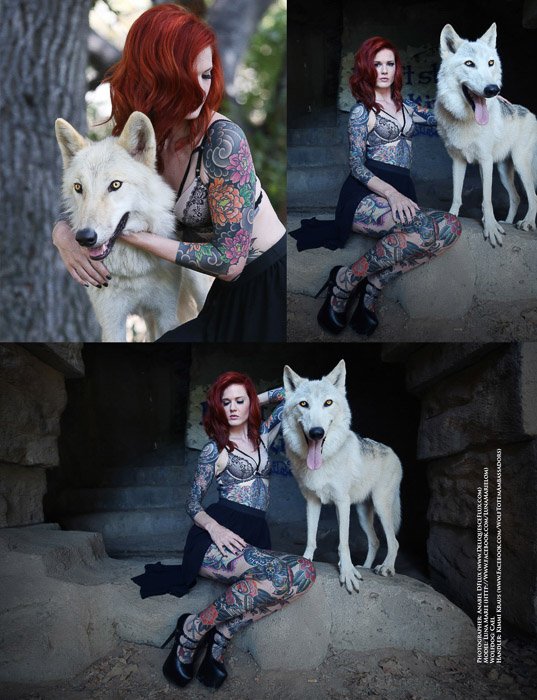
(492, 231)
(458, 171)
(313, 511)
(348, 574)
(111, 311)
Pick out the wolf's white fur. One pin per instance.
(509, 137)
(352, 469)
(162, 292)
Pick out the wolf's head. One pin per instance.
(316, 416)
(112, 182)
(470, 73)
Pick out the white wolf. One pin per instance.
(334, 465)
(112, 185)
(477, 126)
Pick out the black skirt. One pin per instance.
(250, 309)
(248, 523)
(334, 234)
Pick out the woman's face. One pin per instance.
(236, 403)
(384, 63)
(203, 68)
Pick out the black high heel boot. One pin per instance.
(174, 670)
(364, 321)
(211, 672)
(331, 320)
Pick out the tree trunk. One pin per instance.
(235, 23)
(43, 62)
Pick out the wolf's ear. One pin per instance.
(69, 140)
(291, 379)
(449, 41)
(138, 139)
(489, 37)
(337, 375)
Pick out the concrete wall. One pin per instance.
(476, 400)
(32, 398)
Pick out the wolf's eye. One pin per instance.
(304, 404)
(328, 402)
(470, 64)
(114, 185)
(78, 187)
(491, 62)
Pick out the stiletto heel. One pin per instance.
(364, 321)
(212, 673)
(331, 320)
(172, 635)
(174, 670)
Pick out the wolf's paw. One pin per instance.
(493, 232)
(526, 225)
(308, 554)
(384, 570)
(351, 577)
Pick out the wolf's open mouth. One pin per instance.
(479, 105)
(314, 459)
(102, 251)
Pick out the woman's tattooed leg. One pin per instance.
(400, 247)
(262, 583)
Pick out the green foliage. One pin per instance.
(261, 98)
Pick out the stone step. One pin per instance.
(174, 475)
(314, 187)
(166, 456)
(325, 135)
(320, 155)
(77, 501)
(143, 522)
(147, 547)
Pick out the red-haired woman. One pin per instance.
(230, 541)
(378, 198)
(170, 70)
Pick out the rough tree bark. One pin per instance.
(234, 23)
(42, 63)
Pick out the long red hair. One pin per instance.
(155, 74)
(215, 421)
(364, 74)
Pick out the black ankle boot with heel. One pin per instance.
(174, 670)
(212, 673)
(331, 320)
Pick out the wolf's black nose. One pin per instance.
(86, 237)
(316, 433)
(491, 90)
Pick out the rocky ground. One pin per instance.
(134, 672)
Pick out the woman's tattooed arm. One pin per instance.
(231, 192)
(202, 478)
(358, 142)
(272, 424)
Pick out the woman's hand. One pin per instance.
(76, 259)
(403, 208)
(226, 540)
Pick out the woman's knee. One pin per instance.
(423, 230)
(304, 576)
(307, 571)
(269, 567)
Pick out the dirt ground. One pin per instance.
(134, 672)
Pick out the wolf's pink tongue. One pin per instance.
(95, 252)
(481, 111)
(315, 457)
